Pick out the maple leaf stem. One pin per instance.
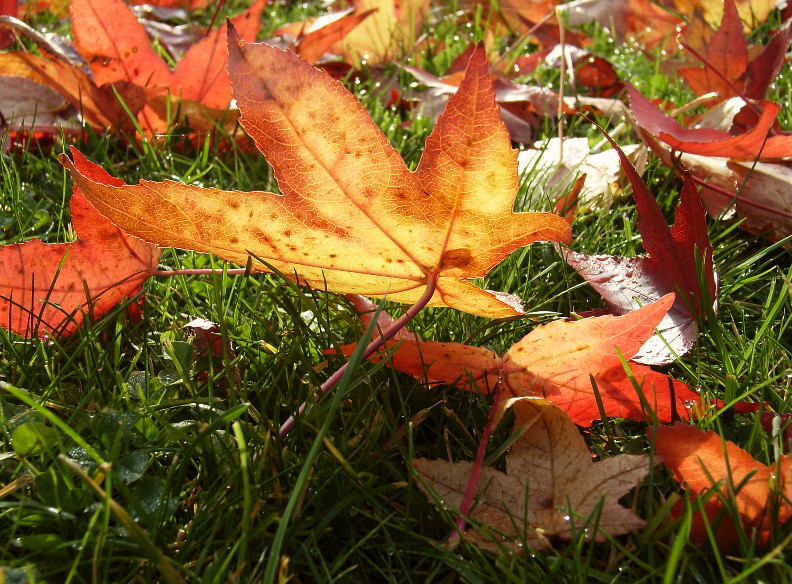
(372, 347)
(470, 491)
(216, 13)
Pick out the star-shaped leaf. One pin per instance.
(551, 486)
(352, 217)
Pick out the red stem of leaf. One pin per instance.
(738, 199)
(372, 347)
(218, 8)
(470, 491)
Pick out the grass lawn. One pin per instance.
(127, 458)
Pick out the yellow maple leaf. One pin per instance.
(352, 217)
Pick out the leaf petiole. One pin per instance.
(374, 346)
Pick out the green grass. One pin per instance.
(121, 464)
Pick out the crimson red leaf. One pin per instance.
(754, 144)
(675, 257)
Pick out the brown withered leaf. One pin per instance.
(551, 487)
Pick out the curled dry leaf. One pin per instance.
(755, 144)
(372, 31)
(98, 106)
(49, 288)
(761, 495)
(551, 487)
(758, 192)
(352, 218)
(558, 361)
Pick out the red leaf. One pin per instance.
(9, 8)
(201, 74)
(117, 48)
(754, 144)
(726, 59)
(557, 361)
(43, 286)
(763, 70)
(671, 266)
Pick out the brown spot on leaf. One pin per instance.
(455, 258)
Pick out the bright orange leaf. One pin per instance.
(49, 288)
(557, 361)
(314, 37)
(761, 495)
(352, 217)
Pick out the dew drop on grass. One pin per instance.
(788, 373)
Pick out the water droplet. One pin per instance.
(306, 379)
(353, 510)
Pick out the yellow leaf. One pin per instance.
(351, 217)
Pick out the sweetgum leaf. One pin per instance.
(702, 460)
(49, 288)
(558, 361)
(551, 486)
(352, 217)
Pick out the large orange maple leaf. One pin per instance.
(352, 217)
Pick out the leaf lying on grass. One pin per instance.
(676, 256)
(551, 486)
(760, 495)
(352, 217)
(558, 361)
(751, 145)
(731, 69)
(49, 288)
(758, 192)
